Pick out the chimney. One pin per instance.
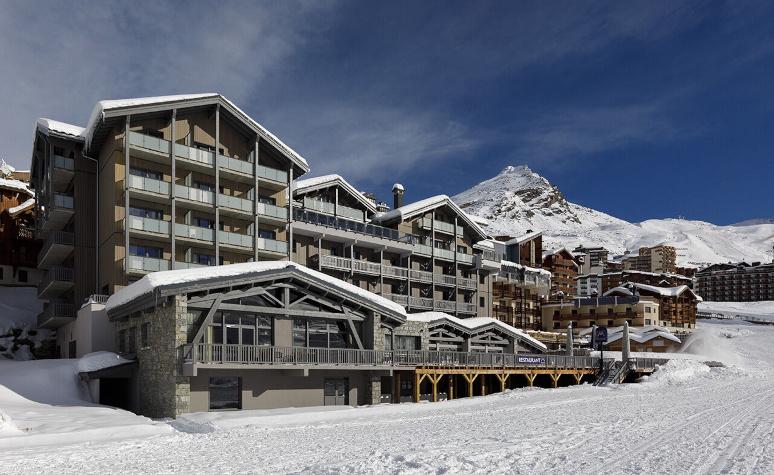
(397, 195)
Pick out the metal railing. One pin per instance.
(272, 211)
(149, 225)
(56, 238)
(272, 245)
(350, 225)
(397, 298)
(61, 275)
(235, 239)
(235, 203)
(194, 194)
(148, 184)
(205, 353)
(146, 264)
(194, 232)
(420, 302)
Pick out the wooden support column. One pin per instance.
(434, 378)
(397, 388)
(578, 378)
(555, 379)
(417, 381)
(502, 378)
(530, 378)
(483, 385)
(451, 387)
(470, 378)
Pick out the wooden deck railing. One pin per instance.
(203, 353)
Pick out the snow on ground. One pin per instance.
(43, 402)
(763, 310)
(19, 309)
(688, 418)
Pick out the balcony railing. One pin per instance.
(444, 279)
(150, 185)
(63, 201)
(146, 264)
(272, 174)
(319, 205)
(55, 314)
(348, 212)
(194, 194)
(464, 307)
(56, 248)
(420, 302)
(343, 224)
(57, 279)
(149, 225)
(445, 305)
(236, 239)
(442, 226)
(235, 203)
(235, 165)
(204, 353)
(397, 298)
(273, 245)
(194, 232)
(421, 276)
(444, 253)
(272, 211)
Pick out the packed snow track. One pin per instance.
(686, 418)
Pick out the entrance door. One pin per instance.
(336, 391)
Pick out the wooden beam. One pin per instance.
(555, 379)
(352, 328)
(275, 311)
(207, 320)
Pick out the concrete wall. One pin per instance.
(91, 330)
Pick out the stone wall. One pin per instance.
(163, 391)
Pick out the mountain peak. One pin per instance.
(516, 170)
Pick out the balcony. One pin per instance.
(443, 279)
(278, 177)
(467, 308)
(466, 283)
(362, 266)
(440, 226)
(203, 198)
(423, 250)
(140, 264)
(55, 314)
(56, 249)
(397, 298)
(148, 225)
(349, 212)
(218, 354)
(231, 166)
(420, 302)
(149, 185)
(463, 258)
(236, 240)
(319, 205)
(445, 254)
(445, 305)
(272, 245)
(421, 276)
(343, 224)
(57, 281)
(235, 204)
(196, 233)
(63, 171)
(271, 212)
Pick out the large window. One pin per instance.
(403, 342)
(145, 251)
(145, 173)
(319, 333)
(241, 329)
(146, 212)
(267, 234)
(225, 393)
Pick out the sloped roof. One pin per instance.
(103, 107)
(475, 325)
(16, 185)
(27, 205)
(662, 291)
(412, 209)
(315, 183)
(638, 334)
(524, 238)
(160, 284)
(50, 126)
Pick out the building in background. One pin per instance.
(561, 263)
(597, 256)
(652, 339)
(607, 311)
(19, 245)
(517, 294)
(740, 282)
(661, 258)
(677, 305)
(609, 280)
(526, 250)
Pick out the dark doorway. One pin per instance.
(336, 392)
(115, 392)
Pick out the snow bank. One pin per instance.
(44, 402)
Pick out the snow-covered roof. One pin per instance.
(325, 181)
(150, 283)
(485, 243)
(524, 238)
(48, 126)
(505, 264)
(638, 334)
(101, 107)
(16, 185)
(642, 272)
(481, 221)
(475, 324)
(663, 291)
(13, 211)
(412, 209)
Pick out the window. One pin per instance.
(234, 328)
(574, 311)
(609, 311)
(122, 341)
(299, 332)
(266, 234)
(556, 325)
(200, 185)
(204, 259)
(71, 350)
(145, 173)
(325, 334)
(145, 335)
(462, 249)
(267, 200)
(202, 146)
(145, 251)
(59, 151)
(225, 393)
(204, 223)
(403, 342)
(647, 309)
(23, 276)
(482, 302)
(647, 321)
(146, 213)
(131, 344)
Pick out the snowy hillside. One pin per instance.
(518, 200)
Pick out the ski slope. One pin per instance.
(689, 418)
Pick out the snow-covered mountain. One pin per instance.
(518, 200)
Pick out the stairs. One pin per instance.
(614, 373)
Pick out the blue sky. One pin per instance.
(640, 109)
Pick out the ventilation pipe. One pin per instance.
(397, 195)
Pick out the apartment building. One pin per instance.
(609, 280)
(589, 285)
(18, 244)
(677, 305)
(561, 263)
(597, 256)
(606, 311)
(740, 282)
(155, 184)
(526, 250)
(517, 294)
(659, 258)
